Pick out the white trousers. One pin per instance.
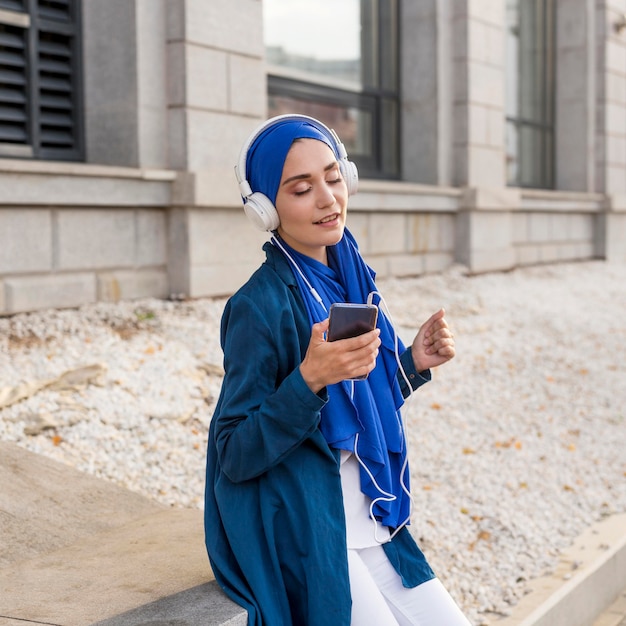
(378, 596)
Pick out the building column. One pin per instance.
(216, 95)
(610, 131)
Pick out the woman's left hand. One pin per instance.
(433, 344)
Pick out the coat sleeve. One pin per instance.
(266, 410)
(415, 378)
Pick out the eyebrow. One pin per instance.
(329, 167)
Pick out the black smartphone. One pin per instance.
(347, 319)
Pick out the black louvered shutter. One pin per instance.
(13, 85)
(40, 81)
(58, 71)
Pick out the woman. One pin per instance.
(307, 495)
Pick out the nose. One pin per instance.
(324, 197)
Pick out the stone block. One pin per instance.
(616, 148)
(437, 261)
(2, 306)
(486, 85)
(191, 606)
(615, 56)
(213, 140)
(486, 166)
(96, 238)
(613, 228)
(615, 179)
(527, 254)
(580, 227)
(447, 232)
(207, 78)
(615, 118)
(615, 85)
(223, 237)
(47, 184)
(219, 280)
(549, 252)
(539, 227)
(217, 187)
(247, 89)
(233, 25)
(380, 265)
(387, 234)
(490, 11)
(128, 285)
(358, 224)
(151, 237)
(30, 293)
(484, 241)
(25, 240)
(492, 260)
(486, 42)
(407, 264)
(519, 234)
(486, 198)
(492, 230)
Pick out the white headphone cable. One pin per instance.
(314, 293)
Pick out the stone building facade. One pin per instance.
(171, 88)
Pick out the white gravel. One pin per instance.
(517, 445)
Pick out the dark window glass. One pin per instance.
(40, 111)
(339, 63)
(530, 93)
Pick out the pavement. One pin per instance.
(76, 550)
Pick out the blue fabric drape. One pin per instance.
(363, 411)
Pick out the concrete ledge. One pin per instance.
(205, 604)
(590, 576)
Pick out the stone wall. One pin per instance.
(169, 100)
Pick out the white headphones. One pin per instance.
(258, 207)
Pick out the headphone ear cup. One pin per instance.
(261, 212)
(350, 175)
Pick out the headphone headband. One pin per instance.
(259, 207)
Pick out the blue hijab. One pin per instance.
(361, 416)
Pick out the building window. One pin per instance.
(40, 105)
(530, 92)
(339, 63)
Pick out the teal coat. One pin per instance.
(274, 519)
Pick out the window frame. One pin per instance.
(371, 100)
(545, 125)
(37, 27)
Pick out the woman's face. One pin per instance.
(312, 199)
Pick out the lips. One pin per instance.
(328, 218)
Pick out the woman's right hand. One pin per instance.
(329, 362)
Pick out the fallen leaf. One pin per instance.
(57, 440)
(435, 405)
